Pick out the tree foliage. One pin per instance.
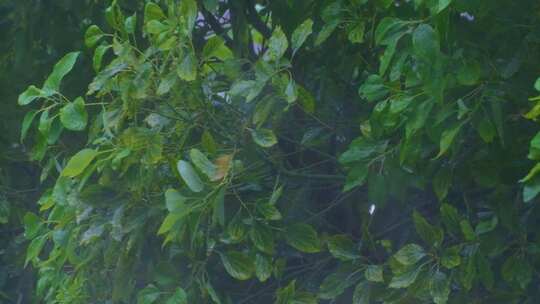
(290, 152)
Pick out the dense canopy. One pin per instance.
(284, 151)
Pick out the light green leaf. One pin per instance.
(387, 29)
(356, 33)
(174, 201)
(264, 137)
(130, 24)
(537, 84)
(450, 257)
(188, 13)
(190, 177)
(179, 297)
(30, 94)
(153, 12)
(263, 267)
(32, 225)
(277, 45)
(356, 177)
(155, 27)
(300, 34)
(468, 74)
(326, 31)
(238, 265)
(34, 248)
(79, 162)
(92, 36)
(27, 122)
(215, 47)
(303, 237)
(202, 163)
(73, 115)
(98, 56)
(374, 273)
(187, 69)
(410, 254)
(341, 247)
(61, 69)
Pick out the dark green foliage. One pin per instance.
(290, 152)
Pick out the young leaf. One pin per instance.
(73, 115)
(79, 162)
(187, 69)
(303, 237)
(238, 265)
(447, 138)
(34, 248)
(190, 177)
(98, 56)
(188, 13)
(153, 12)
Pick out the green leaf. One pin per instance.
(179, 297)
(264, 137)
(405, 279)
(469, 73)
(188, 14)
(27, 122)
(450, 218)
(426, 43)
(537, 84)
(484, 271)
(467, 230)
(442, 182)
(61, 69)
(432, 235)
(341, 247)
(303, 237)
(190, 177)
(32, 225)
(374, 273)
(153, 12)
(148, 295)
(356, 33)
(130, 24)
(440, 287)
(277, 45)
(326, 31)
(450, 257)
(410, 254)
(202, 163)
(362, 293)
(187, 69)
(174, 201)
(215, 47)
(334, 285)
(172, 219)
(263, 267)
(34, 248)
(73, 115)
(238, 265)
(373, 89)
(98, 56)
(516, 270)
(79, 162)
(155, 27)
(262, 237)
(92, 36)
(30, 94)
(387, 29)
(447, 138)
(300, 34)
(531, 189)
